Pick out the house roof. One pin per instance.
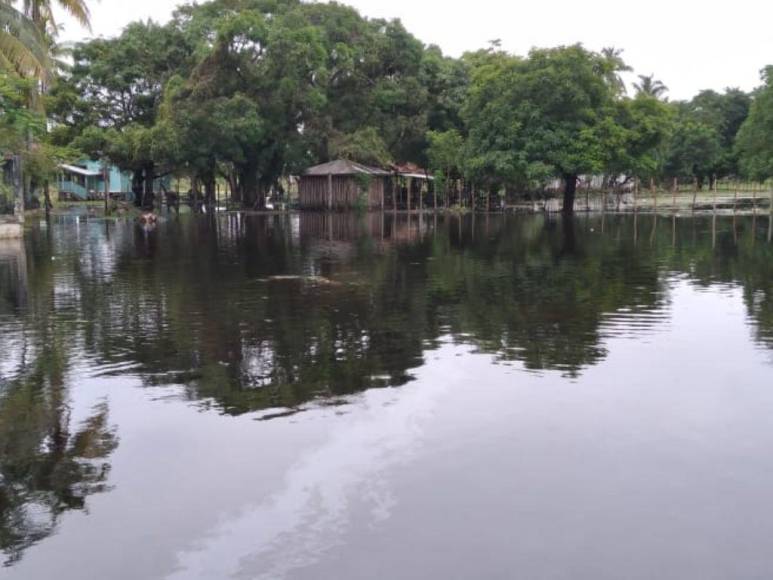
(344, 167)
(79, 170)
(411, 170)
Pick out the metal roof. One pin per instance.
(417, 176)
(80, 170)
(344, 167)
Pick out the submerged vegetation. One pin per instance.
(249, 92)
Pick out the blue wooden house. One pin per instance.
(85, 181)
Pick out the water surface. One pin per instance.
(384, 396)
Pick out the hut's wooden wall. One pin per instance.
(313, 192)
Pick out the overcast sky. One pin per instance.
(688, 44)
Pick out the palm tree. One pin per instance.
(41, 13)
(649, 86)
(23, 47)
(616, 66)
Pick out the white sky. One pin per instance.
(688, 44)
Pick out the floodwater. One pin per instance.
(343, 397)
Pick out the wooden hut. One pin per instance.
(342, 184)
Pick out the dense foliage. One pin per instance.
(249, 92)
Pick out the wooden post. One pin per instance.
(106, 178)
(654, 193)
(434, 195)
(770, 209)
(472, 197)
(330, 192)
(735, 199)
(409, 183)
(635, 228)
(770, 228)
(694, 193)
(421, 197)
(673, 231)
(735, 229)
(715, 193)
(676, 189)
(635, 194)
(654, 228)
(395, 189)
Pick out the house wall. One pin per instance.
(347, 192)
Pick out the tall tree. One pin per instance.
(116, 88)
(694, 148)
(725, 113)
(41, 12)
(648, 85)
(23, 48)
(755, 138)
(549, 114)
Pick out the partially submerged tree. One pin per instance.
(549, 114)
(755, 138)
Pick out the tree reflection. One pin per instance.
(48, 465)
(253, 313)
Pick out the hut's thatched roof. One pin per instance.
(344, 167)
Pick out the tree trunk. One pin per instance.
(235, 187)
(209, 183)
(569, 241)
(248, 177)
(148, 192)
(137, 186)
(47, 195)
(570, 190)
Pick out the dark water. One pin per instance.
(382, 397)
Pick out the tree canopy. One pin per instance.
(755, 138)
(253, 91)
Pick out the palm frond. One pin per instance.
(22, 44)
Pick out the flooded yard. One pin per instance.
(388, 396)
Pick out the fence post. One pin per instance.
(676, 189)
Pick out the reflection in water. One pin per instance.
(314, 506)
(46, 466)
(268, 313)
(277, 314)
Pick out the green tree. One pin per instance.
(694, 149)
(109, 104)
(725, 112)
(445, 154)
(755, 138)
(639, 137)
(548, 115)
